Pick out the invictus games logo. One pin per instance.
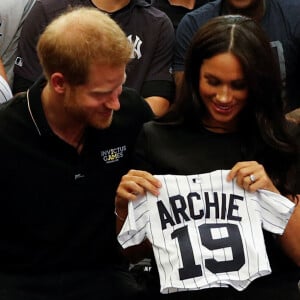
(113, 155)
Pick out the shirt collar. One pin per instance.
(35, 107)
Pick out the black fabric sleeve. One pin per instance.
(161, 88)
(20, 84)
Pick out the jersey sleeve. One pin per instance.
(276, 211)
(134, 229)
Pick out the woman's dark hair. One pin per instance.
(262, 123)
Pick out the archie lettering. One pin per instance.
(193, 207)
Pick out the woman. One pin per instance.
(228, 115)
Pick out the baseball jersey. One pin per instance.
(206, 232)
(5, 91)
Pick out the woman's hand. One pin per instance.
(290, 240)
(251, 176)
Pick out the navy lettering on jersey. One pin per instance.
(232, 240)
(215, 205)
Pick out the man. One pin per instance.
(64, 146)
(280, 20)
(150, 31)
(12, 16)
(176, 9)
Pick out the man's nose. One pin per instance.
(113, 101)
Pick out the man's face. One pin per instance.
(93, 103)
(243, 4)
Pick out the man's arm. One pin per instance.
(159, 105)
(158, 88)
(186, 29)
(183, 38)
(27, 67)
(178, 76)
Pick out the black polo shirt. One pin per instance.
(56, 208)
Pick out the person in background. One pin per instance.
(229, 115)
(65, 143)
(150, 31)
(12, 16)
(176, 9)
(5, 91)
(279, 19)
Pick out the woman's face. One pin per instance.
(224, 92)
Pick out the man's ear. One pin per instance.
(58, 82)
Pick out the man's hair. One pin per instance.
(78, 38)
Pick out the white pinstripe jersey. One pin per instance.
(205, 231)
(5, 91)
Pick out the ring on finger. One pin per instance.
(252, 178)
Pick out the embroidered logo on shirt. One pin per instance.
(79, 176)
(137, 43)
(113, 155)
(19, 61)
